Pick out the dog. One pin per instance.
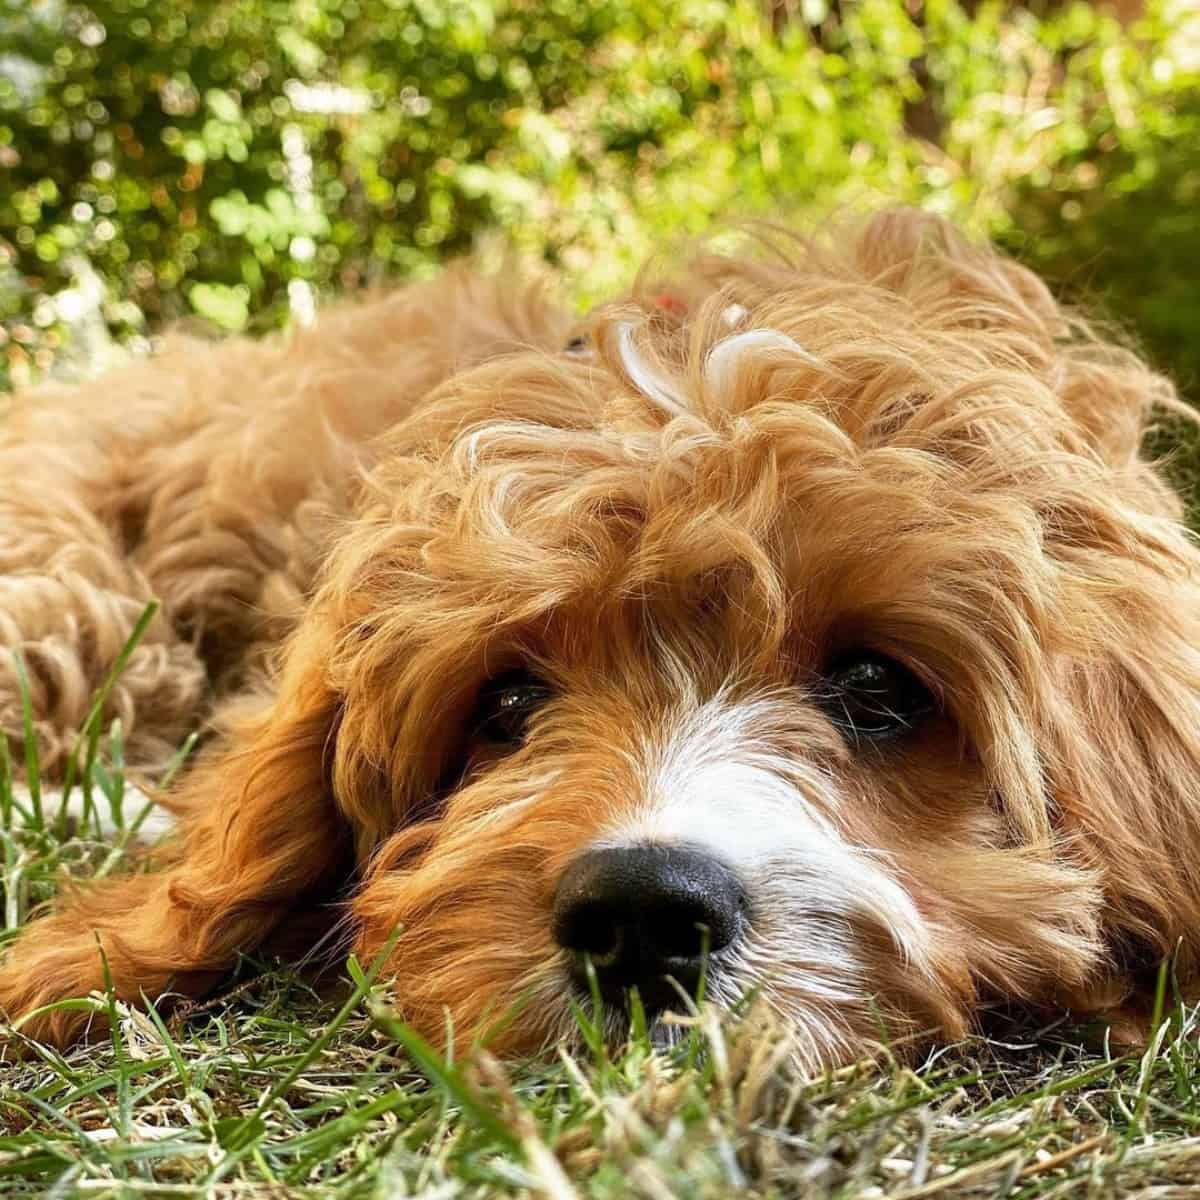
(802, 624)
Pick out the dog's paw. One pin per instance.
(31, 1009)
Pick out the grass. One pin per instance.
(1175, 442)
(274, 1090)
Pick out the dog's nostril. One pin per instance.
(685, 930)
(643, 913)
(595, 929)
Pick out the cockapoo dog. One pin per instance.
(806, 621)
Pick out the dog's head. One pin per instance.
(818, 633)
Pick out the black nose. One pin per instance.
(643, 913)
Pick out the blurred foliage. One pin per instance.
(234, 157)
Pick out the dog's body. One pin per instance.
(809, 620)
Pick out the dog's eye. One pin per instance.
(872, 696)
(505, 705)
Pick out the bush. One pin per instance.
(235, 158)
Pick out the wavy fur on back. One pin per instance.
(889, 438)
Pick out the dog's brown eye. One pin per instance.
(872, 696)
(505, 705)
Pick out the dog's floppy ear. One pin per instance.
(1123, 748)
(260, 837)
(262, 802)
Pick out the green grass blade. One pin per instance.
(33, 775)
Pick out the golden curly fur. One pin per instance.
(891, 443)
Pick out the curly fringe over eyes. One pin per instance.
(888, 440)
